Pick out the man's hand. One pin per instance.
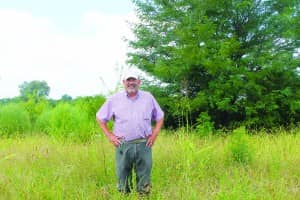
(115, 140)
(151, 140)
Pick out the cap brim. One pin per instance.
(131, 76)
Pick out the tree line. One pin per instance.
(33, 112)
(217, 64)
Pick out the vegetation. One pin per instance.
(185, 167)
(238, 61)
(34, 90)
(227, 75)
(65, 118)
(13, 120)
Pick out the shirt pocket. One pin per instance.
(146, 123)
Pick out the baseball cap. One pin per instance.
(130, 74)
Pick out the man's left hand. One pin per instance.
(151, 140)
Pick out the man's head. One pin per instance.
(131, 82)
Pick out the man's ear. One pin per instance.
(139, 81)
(124, 82)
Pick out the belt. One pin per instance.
(136, 141)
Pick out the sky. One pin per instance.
(76, 46)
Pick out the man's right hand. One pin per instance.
(115, 140)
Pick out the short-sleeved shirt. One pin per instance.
(132, 118)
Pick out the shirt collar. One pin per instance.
(136, 97)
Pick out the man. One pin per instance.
(132, 111)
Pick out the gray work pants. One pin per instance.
(138, 157)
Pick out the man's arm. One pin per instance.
(111, 137)
(155, 132)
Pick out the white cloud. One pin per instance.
(32, 48)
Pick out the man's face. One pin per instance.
(131, 85)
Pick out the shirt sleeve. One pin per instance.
(157, 113)
(104, 114)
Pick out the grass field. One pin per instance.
(185, 167)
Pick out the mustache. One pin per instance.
(132, 85)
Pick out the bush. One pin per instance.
(89, 105)
(239, 147)
(13, 120)
(65, 121)
(35, 109)
(204, 126)
(42, 123)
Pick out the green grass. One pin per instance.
(185, 167)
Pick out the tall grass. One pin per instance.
(239, 149)
(185, 167)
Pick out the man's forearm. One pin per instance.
(111, 137)
(103, 126)
(155, 131)
(158, 126)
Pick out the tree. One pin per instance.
(236, 60)
(66, 98)
(35, 90)
(34, 95)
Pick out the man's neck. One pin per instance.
(132, 95)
